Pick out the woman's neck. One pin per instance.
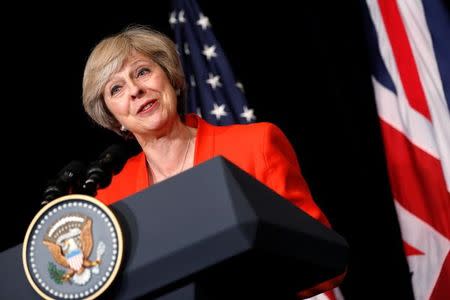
(170, 153)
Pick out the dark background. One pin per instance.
(304, 68)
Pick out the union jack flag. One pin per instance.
(410, 45)
(213, 92)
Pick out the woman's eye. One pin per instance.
(115, 89)
(143, 71)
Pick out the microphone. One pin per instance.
(99, 173)
(67, 181)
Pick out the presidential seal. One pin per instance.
(72, 249)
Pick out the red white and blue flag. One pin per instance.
(410, 56)
(213, 92)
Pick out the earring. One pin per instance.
(123, 128)
(178, 92)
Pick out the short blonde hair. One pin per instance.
(109, 56)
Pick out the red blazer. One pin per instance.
(260, 149)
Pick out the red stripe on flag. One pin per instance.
(403, 56)
(417, 180)
(410, 250)
(442, 288)
(330, 295)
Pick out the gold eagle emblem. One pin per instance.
(70, 243)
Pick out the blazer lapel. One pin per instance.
(204, 144)
(142, 176)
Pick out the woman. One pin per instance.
(134, 85)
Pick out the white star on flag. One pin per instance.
(219, 111)
(203, 22)
(248, 114)
(181, 17)
(240, 86)
(192, 81)
(173, 18)
(213, 81)
(199, 112)
(209, 52)
(186, 49)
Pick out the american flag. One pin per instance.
(213, 92)
(410, 45)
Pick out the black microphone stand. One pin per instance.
(99, 173)
(67, 181)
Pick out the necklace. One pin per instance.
(152, 173)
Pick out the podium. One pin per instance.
(212, 232)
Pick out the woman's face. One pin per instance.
(141, 96)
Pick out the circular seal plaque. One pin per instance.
(72, 249)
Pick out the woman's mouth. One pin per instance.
(145, 108)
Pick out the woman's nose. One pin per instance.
(136, 90)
